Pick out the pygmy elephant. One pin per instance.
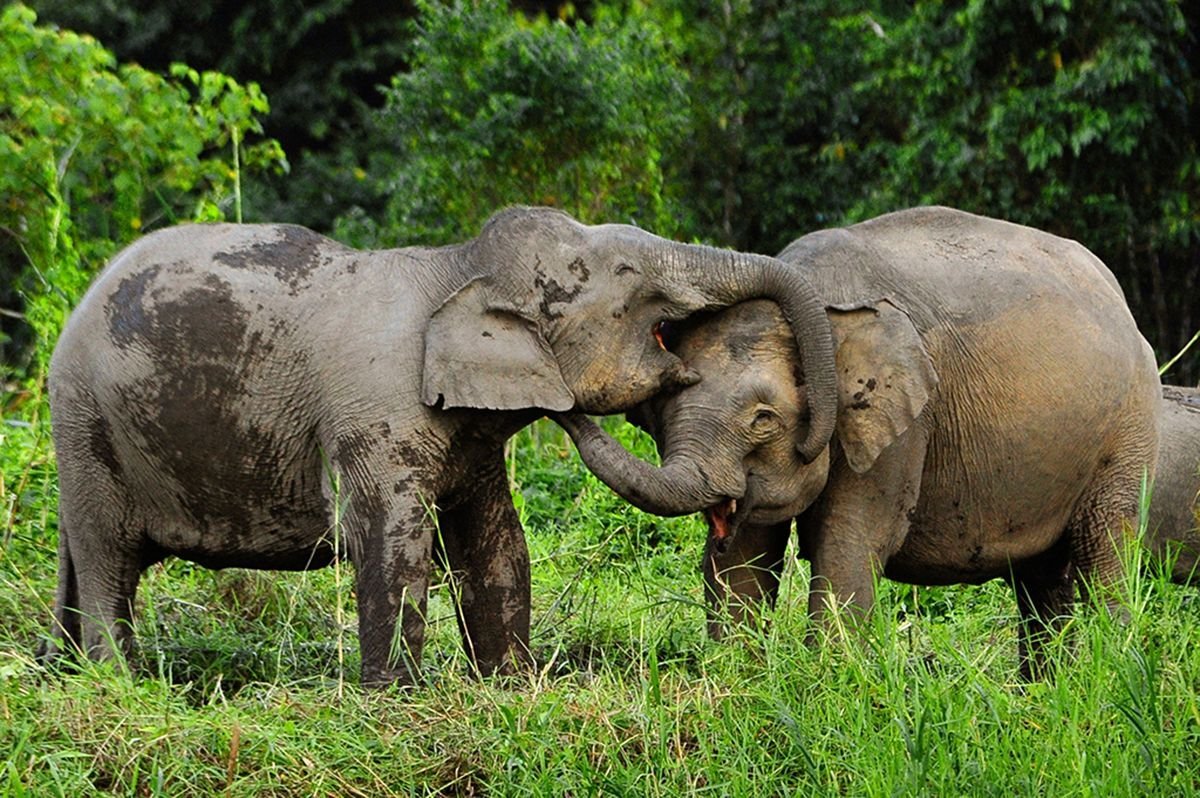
(1173, 532)
(997, 410)
(222, 390)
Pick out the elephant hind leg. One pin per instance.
(1045, 598)
(93, 603)
(106, 580)
(1101, 528)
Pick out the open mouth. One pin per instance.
(720, 522)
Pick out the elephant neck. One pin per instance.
(488, 429)
(435, 273)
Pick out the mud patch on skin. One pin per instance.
(862, 398)
(101, 445)
(201, 352)
(554, 294)
(200, 336)
(126, 308)
(291, 258)
(578, 268)
(204, 325)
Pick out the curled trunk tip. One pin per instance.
(675, 488)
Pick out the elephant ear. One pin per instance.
(885, 378)
(482, 352)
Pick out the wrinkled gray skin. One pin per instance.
(996, 410)
(218, 381)
(1174, 528)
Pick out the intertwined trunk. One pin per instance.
(678, 487)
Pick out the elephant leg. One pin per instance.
(1101, 527)
(484, 546)
(106, 576)
(65, 633)
(857, 524)
(101, 548)
(1045, 596)
(744, 579)
(392, 564)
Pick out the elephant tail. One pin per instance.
(65, 631)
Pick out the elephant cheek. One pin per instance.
(811, 481)
(793, 491)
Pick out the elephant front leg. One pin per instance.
(485, 550)
(744, 579)
(857, 525)
(392, 563)
(842, 587)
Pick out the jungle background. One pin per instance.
(731, 122)
(742, 124)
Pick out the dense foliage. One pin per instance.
(1077, 118)
(92, 154)
(497, 109)
(741, 123)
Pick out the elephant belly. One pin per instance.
(249, 501)
(934, 559)
(1006, 467)
(972, 537)
(247, 534)
(274, 558)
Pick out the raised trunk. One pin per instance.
(726, 278)
(678, 487)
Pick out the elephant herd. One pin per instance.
(931, 396)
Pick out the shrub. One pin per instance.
(500, 109)
(93, 153)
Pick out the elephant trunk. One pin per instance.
(727, 278)
(678, 487)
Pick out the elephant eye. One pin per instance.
(764, 419)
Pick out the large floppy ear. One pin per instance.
(885, 378)
(485, 353)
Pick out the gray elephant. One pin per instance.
(1173, 532)
(997, 409)
(221, 388)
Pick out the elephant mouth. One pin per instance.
(722, 522)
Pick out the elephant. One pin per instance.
(1173, 531)
(224, 392)
(997, 411)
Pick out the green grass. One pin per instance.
(245, 683)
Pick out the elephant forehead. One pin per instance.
(745, 334)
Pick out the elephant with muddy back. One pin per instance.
(997, 411)
(221, 388)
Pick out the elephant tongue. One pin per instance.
(718, 518)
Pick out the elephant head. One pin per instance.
(725, 442)
(558, 315)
